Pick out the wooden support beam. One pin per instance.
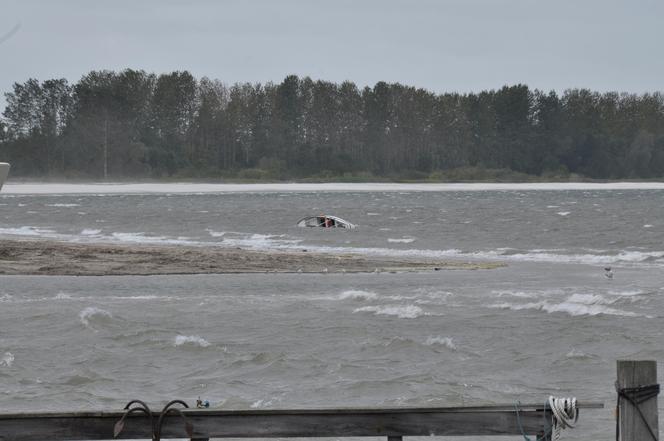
(632, 426)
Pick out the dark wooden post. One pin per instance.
(632, 426)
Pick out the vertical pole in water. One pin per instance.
(638, 380)
(106, 147)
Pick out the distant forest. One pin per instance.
(133, 124)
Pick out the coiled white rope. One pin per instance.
(565, 414)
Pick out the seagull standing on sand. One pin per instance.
(608, 273)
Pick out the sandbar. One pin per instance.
(49, 257)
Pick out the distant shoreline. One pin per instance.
(27, 188)
(46, 257)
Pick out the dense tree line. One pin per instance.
(138, 124)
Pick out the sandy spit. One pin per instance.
(42, 257)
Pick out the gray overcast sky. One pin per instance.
(444, 45)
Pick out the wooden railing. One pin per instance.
(393, 423)
(301, 423)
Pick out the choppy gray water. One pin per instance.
(549, 323)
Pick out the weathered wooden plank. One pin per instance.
(634, 374)
(392, 423)
(322, 411)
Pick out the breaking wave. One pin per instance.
(402, 240)
(143, 238)
(576, 354)
(441, 341)
(357, 295)
(92, 314)
(216, 233)
(26, 231)
(62, 296)
(7, 359)
(575, 305)
(190, 340)
(400, 311)
(261, 241)
(518, 294)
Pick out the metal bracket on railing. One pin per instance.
(142, 408)
(154, 430)
(188, 427)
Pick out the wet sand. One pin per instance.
(41, 257)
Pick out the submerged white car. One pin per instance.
(4, 171)
(324, 221)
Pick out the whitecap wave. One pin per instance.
(92, 314)
(90, 232)
(577, 354)
(357, 295)
(216, 233)
(400, 311)
(138, 297)
(576, 305)
(26, 231)
(62, 296)
(261, 404)
(262, 241)
(7, 359)
(190, 340)
(519, 294)
(590, 299)
(628, 293)
(625, 257)
(447, 342)
(63, 205)
(402, 240)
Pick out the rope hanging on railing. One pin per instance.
(565, 414)
(635, 396)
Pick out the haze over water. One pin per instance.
(550, 322)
